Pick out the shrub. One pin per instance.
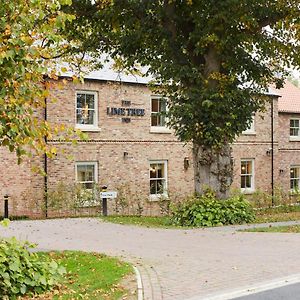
(23, 272)
(206, 210)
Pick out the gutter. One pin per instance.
(45, 164)
(272, 149)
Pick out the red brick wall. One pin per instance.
(129, 175)
(289, 150)
(255, 146)
(24, 187)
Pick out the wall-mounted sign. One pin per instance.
(122, 111)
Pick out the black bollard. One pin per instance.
(104, 202)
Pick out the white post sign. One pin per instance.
(108, 195)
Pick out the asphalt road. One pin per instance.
(288, 292)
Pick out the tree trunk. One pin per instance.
(213, 169)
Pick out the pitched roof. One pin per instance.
(108, 73)
(290, 98)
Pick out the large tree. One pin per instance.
(211, 59)
(30, 40)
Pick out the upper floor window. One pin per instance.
(158, 111)
(158, 178)
(251, 128)
(294, 128)
(247, 175)
(86, 110)
(295, 178)
(158, 115)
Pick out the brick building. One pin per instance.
(131, 151)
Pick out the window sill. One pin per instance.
(247, 191)
(88, 128)
(158, 197)
(294, 138)
(160, 129)
(248, 133)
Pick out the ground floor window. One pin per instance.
(295, 178)
(247, 174)
(158, 178)
(86, 178)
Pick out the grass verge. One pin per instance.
(91, 276)
(266, 215)
(282, 229)
(278, 214)
(156, 222)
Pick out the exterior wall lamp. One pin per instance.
(186, 163)
(269, 152)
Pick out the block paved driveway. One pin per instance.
(174, 264)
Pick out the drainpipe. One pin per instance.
(45, 164)
(272, 149)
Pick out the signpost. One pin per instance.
(104, 195)
(108, 195)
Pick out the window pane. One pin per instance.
(296, 173)
(160, 186)
(154, 121)
(243, 167)
(152, 170)
(163, 105)
(162, 120)
(152, 187)
(90, 101)
(155, 105)
(243, 182)
(160, 171)
(80, 100)
(248, 181)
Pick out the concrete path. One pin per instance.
(174, 264)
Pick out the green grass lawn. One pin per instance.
(158, 222)
(285, 229)
(278, 214)
(92, 276)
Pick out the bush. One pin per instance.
(23, 272)
(206, 210)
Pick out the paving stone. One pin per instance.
(174, 264)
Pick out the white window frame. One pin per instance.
(88, 127)
(154, 197)
(252, 174)
(295, 178)
(251, 128)
(158, 129)
(294, 137)
(87, 163)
